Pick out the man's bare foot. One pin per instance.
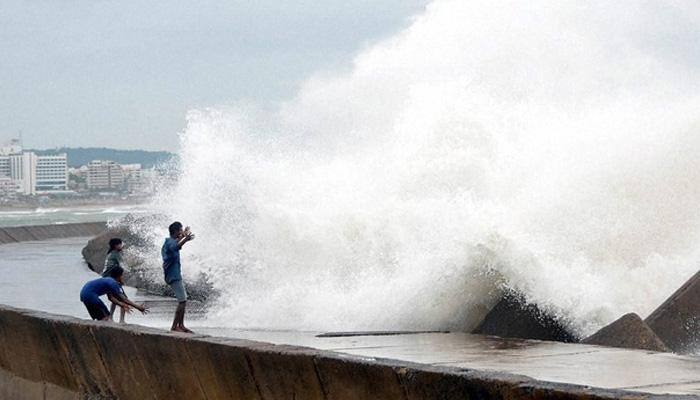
(178, 329)
(186, 330)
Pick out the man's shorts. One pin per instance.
(97, 311)
(179, 289)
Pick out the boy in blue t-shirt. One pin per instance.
(172, 270)
(110, 286)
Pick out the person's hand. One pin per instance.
(143, 308)
(190, 236)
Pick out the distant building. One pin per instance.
(14, 147)
(52, 173)
(23, 172)
(136, 179)
(4, 166)
(31, 173)
(80, 172)
(104, 175)
(8, 187)
(77, 178)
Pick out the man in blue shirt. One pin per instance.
(172, 270)
(112, 287)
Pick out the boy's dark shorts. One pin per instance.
(97, 311)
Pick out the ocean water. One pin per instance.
(548, 147)
(65, 215)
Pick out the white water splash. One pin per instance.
(555, 143)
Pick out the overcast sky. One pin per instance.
(123, 73)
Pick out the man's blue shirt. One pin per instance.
(91, 292)
(171, 261)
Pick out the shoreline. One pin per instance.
(65, 205)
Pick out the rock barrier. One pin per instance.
(514, 317)
(629, 331)
(45, 232)
(677, 320)
(45, 356)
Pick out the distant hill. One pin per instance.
(83, 155)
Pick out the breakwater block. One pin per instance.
(83, 355)
(30, 233)
(6, 238)
(629, 331)
(45, 356)
(285, 372)
(134, 350)
(345, 378)
(223, 367)
(20, 234)
(514, 317)
(677, 321)
(31, 348)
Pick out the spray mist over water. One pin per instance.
(550, 147)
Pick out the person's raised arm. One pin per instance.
(186, 237)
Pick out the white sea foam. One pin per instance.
(553, 144)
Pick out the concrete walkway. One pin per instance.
(594, 366)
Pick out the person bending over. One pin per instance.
(171, 268)
(110, 286)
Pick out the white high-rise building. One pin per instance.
(31, 173)
(23, 172)
(52, 173)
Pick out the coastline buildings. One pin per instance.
(31, 173)
(107, 175)
(104, 175)
(136, 179)
(25, 174)
(51, 173)
(23, 171)
(8, 188)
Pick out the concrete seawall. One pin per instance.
(45, 232)
(45, 356)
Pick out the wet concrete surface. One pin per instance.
(587, 365)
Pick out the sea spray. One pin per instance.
(549, 146)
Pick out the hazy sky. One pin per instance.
(124, 73)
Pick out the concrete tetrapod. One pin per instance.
(677, 321)
(629, 331)
(44, 232)
(514, 317)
